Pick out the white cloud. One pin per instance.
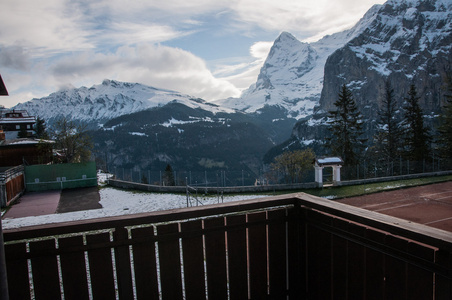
(260, 50)
(68, 25)
(232, 67)
(155, 65)
(242, 72)
(129, 33)
(303, 18)
(42, 26)
(15, 57)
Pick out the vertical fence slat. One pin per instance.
(193, 255)
(356, 264)
(216, 259)
(396, 270)
(375, 267)
(145, 266)
(73, 269)
(257, 243)
(443, 286)
(170, 264)
(297, 253)
(339, 262)
(46, 280)
(123, 267)
(277, 241)
(101, 266)
(319, 258)
(237, 257)
(17, 271)
(420, 282)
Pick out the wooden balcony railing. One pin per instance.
(286, 247)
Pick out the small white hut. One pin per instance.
(333, 162)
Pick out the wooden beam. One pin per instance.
(3, 90)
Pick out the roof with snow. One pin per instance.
(24, 141)
(323, 161)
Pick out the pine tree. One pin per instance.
(23, 133)
(417, 138)
(346, 126)
(169, 176)
(387, 136)
(40, 129)
(445, 123)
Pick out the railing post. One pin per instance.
(3, 278)
(186, 190)
(296, 243)
(123, 268)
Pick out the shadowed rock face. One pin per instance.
(407, 43)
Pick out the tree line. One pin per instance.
(70, 142)
(400, 134)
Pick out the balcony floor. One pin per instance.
(50, 202)
(34, 204)
(429, 204)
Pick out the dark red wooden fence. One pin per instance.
(14, 187)
(287, 247)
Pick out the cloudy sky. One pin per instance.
(211, 49)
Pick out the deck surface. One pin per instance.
(428, 204)
(51, 202)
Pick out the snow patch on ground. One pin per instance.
(118, 203)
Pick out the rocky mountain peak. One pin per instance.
(285, 40)
(291, 77)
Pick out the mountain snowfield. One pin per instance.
(402, 25)
(408, 42)
(109, 100)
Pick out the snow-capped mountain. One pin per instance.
(292, 75)
(407, 42)
(136, 125)
(404, 42)
(108, 100)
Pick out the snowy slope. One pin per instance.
(292, 75)
(401, 26)
(409, 42)
(108, 100)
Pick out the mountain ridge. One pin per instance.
(292, 74)
(408, 43)
(110, 99)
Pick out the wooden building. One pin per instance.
(13, 122)
(28, 151)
